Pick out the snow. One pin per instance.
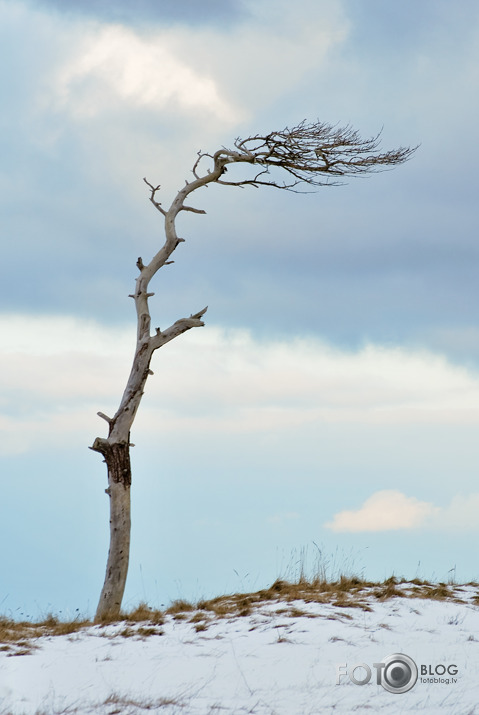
(281, 659)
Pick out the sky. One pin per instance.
(327, 413)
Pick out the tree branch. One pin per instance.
(312, 153)
(105, 417)
(190, 208)
(179, 327)
(155, 203)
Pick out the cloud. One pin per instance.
(386, 510)
(283, 62)
(226, 74)
(391, 510)
(462, 514)
(215, 381)
(274, 51)
(114, 65)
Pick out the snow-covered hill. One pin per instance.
(275, 654)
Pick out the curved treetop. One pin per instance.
(312, 153)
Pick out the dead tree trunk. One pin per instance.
(117, 458)
(315, 154)
(116, 447)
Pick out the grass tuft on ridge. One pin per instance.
(18, 637)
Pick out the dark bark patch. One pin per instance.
(117, 458)
(118, 463)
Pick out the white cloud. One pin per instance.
(275, 50)
(130, 100)
(462, 514)
(386, 510)
(218, 381)
(391, 510)
(113, 64)
(305, 380)
(224, 74)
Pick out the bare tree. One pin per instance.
(312, 154)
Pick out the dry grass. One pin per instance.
(438, 592)
(389, 589)
(18, 638)
(180, 606)
(201, 627)
(346, 592)
(144, 613)
(121, 701)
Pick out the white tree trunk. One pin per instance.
(119, 480)
(116, 447)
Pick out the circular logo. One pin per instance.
(399, 674)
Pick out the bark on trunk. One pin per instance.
(117, 457)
